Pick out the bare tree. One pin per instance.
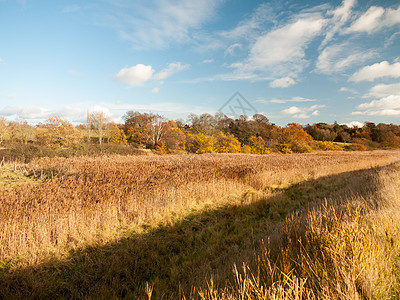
(99, 120)
(88, 124)
(158, 128)
(3, 129)
(146, 129)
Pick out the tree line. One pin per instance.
(201, 134)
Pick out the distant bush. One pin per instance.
(227, 143)
(258, 145)
(200, 143)
(27, 152)
(246, 149)
(327, 146)
(285, 148)
(295, 147)
(301, 147)
(356, 147)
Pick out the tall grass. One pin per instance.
(117, 226)
(345, 249)
(82, 197)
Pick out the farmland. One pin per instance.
(177, 225)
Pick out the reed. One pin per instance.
(197, 206)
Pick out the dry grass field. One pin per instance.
(295, 226)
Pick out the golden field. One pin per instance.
(317, 225)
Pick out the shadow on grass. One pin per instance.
(188, 253)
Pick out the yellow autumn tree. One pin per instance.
(3, 129)
(115, 135)
(20, 131)
(174, 139)
(59, 132)
(295, 139)
(200, 143)
(257, 145)
(227, 143)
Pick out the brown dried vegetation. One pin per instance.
(93, 201)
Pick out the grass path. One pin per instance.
(10, 178)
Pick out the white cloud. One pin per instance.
(339, 17)
(384, 90)
(353, 124)
(378, 70)
(231, 49)
(283, 82)
(70, 111)
(76, 112)
(340, 57)
(171, 69)
(155, 90)
(292, 110)
(391, 39)
(1, 60)
(280, 52)
(26, 112)
(12, 96)
(374, 19)
(285, 45)
(140, 74)
(294, 99)
(392, 17)
(345, 89)
(368, 21)
(136, 75)
(389, 102)
(158, 23)
(302, 112)
(247, 28)
(97, 108)
(283, 50)
(40, 114)
(386, 106)
(315, 113)
(207, 61)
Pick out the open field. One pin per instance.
(125, 226)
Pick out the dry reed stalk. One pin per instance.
(84, 197)
(346, 249)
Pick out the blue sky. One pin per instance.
(294, 61)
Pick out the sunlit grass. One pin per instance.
(111, 227)
(10, 178)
